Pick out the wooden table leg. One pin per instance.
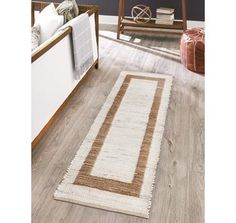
(119, 18)
(122, 15)
(184, 15)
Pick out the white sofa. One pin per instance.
(53, 78)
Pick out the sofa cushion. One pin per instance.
(35, 37)
(49, 22)
(69, 9)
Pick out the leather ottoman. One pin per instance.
(192, 50)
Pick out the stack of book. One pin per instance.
(165, 16)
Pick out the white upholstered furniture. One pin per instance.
(53, 74)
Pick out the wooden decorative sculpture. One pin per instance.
(141, 13)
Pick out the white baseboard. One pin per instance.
(108, 19)
(192, 24)
(112, 20)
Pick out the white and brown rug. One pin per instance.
(115, 167)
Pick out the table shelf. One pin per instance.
(127, 24)
(128, 21)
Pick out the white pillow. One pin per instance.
(49, 22)
(49, 10)
(35, 37)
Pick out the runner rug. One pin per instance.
(115, 167)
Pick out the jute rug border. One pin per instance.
(78, 186)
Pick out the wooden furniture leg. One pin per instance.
(122, 15)
(32, 15)
(184, 16)
(119, 18)
(97, 34)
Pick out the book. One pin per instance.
(164, 16)
(163, 10)
(164, 22)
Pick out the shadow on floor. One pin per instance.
(131, 41)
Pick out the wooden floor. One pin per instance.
(178, 196)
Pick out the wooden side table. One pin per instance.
(127, 24)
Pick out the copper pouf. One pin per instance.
(192, 50)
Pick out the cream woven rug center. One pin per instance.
(115, 167)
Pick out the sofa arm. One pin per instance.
(38, 6)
